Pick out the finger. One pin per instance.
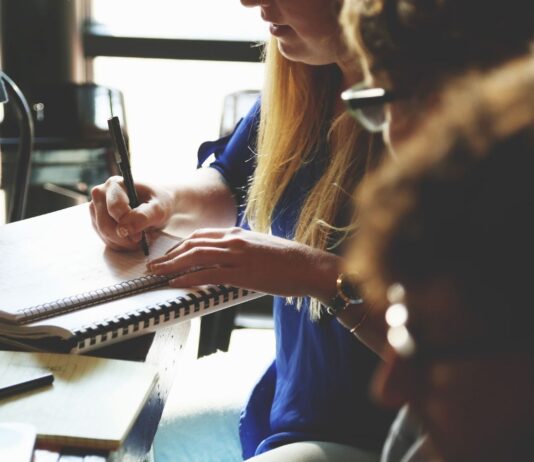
(147, 215)
(103, 223)
(214, 275)
(188, 244)
(196, 257)
(154, 211)
(206, 233)
(99, 201)
(175, 246)
(92, 212)
(106, 226)
(94, 222)
(117, 201)
(136, 238)
(132, 225)
(178, 244)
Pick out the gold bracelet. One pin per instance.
(359, 324)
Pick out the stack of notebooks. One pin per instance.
(64, 290)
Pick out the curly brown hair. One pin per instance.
(413, 43)
(459, 203)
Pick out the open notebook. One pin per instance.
(93, 402)
(63, 289)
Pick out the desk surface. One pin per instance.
(165, 350)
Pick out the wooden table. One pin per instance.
(165, 350)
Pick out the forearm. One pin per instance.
(202, 201)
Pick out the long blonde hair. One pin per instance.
(297, 104)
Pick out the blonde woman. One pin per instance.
(287, 168)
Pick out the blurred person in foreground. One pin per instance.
(410, 50)
(445, 237)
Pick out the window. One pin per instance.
(174, 105)
(200, 19)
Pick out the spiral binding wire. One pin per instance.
(147, 318)
(93, 297)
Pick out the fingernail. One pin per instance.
(122, 231)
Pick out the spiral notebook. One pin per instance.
(64, 290)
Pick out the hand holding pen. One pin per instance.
(123, 161)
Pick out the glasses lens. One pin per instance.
(371, 118)
(367, 106)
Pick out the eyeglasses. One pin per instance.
(367, 105)
(407, 347)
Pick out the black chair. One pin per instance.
(70, 150)
(9, 91)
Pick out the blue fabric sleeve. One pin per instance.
(235, 156)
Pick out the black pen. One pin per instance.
(123, 161)
(39, 378)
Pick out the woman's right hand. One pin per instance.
(117, 223)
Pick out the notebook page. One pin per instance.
(93, 402)
(59, 255)
(136, 280)
(17, 442)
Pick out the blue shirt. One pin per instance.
(317, 386)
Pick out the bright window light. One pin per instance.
(174, 105)
(200, 19)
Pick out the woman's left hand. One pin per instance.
(250, 260)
